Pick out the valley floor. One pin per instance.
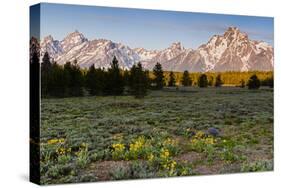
(111, 138)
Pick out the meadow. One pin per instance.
(164, 134)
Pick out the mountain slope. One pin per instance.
(235, 51)
(232, 51)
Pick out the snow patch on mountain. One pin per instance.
(232, 51)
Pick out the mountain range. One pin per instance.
(232, 51)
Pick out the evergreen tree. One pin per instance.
(172, 80)
(74, 79)
(138, 81)
(46, 63)
(126, 77)
(34, 84)
(159, 76)
(57, 81)
(148, 79)
(203, 80)
(114, 80)
(254, 82)
(95, 80)
(186, 80)
(100, 81)
(45, 75)
(218, 82)
(91, 80)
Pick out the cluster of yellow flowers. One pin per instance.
(166, 162)
(118, 147)
(118, 151)
(56, 141)
(63, 151)
(60, 149)
(150, 157)
(138, 144)
(199, 134)
(170, 142)
(210, 140)
(144, 148)
(170, 165)
(164, 154)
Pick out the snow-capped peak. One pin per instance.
(231, 51)
(76, 36)
(73, 39)
(176, 46)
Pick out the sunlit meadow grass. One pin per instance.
(107, 138)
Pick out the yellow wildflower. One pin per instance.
(199, 134)
(150, 157)
(173, 164)
(55, 141)
(165, 153)
(210, 140)
(169, 141)
(61, 151)
(138, 144)
(118, 147)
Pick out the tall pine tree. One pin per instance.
(159, 76)
(45, 75)
(95, 80)
(74, 79)
(138, 81)
(186, 80)
(91, 80)
(114, 79)
(57, 81)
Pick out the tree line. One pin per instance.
(69, 80)
(229, 78)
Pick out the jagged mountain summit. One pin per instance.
(232, 51)
(235, 51)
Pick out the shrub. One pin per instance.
(265, 165)
(254, 82)
(203, 80)
(82, 156)
(218, 82)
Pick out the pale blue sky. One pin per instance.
(151, 29)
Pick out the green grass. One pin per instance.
(244, 117)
